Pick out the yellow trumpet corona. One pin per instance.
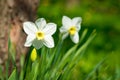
(40, 35)
(72, 30)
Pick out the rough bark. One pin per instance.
(12, 14)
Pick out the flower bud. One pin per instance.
(33, 55)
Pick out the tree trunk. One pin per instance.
(12, 14)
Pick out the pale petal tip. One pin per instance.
(76, 42)
(51, 46)
(26, 45)
(75, 38)
(24, 24)
(80, 19)
(49, 42)
(39, 20)
(64, 17)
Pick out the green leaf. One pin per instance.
(22, 59)
(77, 56)
(13, 75)
(117, 72)
(96, 68)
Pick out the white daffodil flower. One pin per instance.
(39, 33)
(71, 27)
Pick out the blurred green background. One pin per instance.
(101, 15)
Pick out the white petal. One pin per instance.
(77, 22)
(37, 44)
(65, 35)
(41, 22)
(75, 38)
(63, 29)
(50, 29)
(66, 21)
(29, 40)
(29, 27)
(48, 41)
(78, 27)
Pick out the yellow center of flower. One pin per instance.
(72, 30)
(40, 35)
(33, 55)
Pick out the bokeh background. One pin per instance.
(101, 15)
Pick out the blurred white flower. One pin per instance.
(71, 27)
(39, 33)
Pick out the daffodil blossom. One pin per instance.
(71, 27)
(39, 33)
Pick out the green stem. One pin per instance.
(97, 73)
